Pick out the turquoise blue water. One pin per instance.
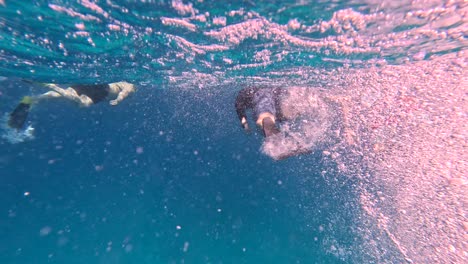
(88, 184)
(168, 176)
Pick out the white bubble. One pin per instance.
(186, 246)
(62, 241)
(128, 248)
(45, 231)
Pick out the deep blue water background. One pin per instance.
(198, 170)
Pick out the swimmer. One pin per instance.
(264, 102)
(83, 94)
(305, 115)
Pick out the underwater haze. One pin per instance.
(378, 90)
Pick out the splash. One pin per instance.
(403, 138)
(398, 132)
(308, 120)
(15, 136)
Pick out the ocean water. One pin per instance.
(168, 175)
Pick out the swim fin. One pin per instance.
(20, 114)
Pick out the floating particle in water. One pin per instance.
(128, 248)
(186, 246)
(139, 150)
(62, 241)
(26, 193)
(178, 227)
(45, 231)
(83, 216)
(11, 213)
(109, 246)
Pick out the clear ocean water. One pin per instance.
(168, 175)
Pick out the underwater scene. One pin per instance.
(197, 131)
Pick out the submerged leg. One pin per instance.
(50, 94)
(70, 94)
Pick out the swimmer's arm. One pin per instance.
(122, 95)
(241, 114)
(127, 88)
(243, 102)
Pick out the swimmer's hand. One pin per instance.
(245, 125)
(113, 102)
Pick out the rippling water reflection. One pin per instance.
(150, 40)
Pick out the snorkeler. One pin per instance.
(85, 95)
(305, 114)
(264, 103)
